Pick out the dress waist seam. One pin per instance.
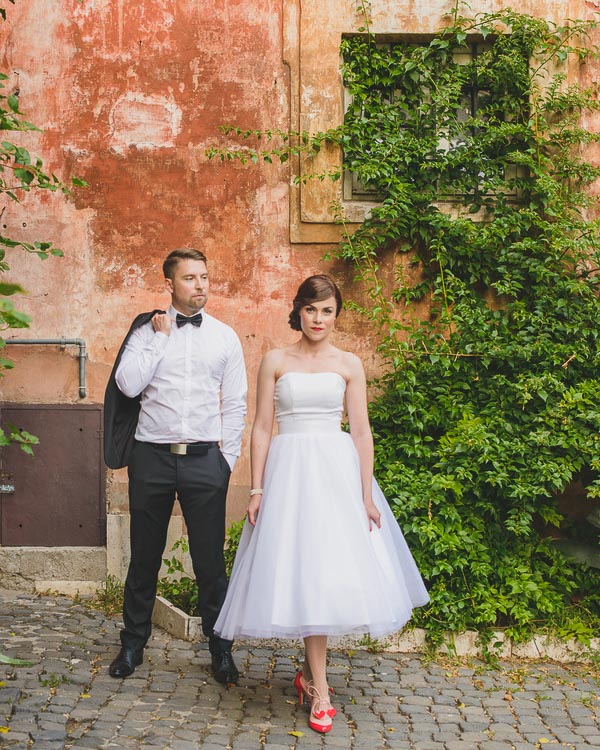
(309, 426)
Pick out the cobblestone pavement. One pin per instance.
(404, 702)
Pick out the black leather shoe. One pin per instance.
(126, 662)
(223, 666)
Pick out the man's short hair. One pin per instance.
(182, 253)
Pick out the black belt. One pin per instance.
(184, 449)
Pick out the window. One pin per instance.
(313, 33)
(413, 108)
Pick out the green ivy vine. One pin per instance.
(489, 405)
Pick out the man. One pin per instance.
(184, 371)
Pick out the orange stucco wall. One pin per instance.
(129, 94)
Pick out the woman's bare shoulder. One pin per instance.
(351, 364)
(273, 360)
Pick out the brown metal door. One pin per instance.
(55, 498)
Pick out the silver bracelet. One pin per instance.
(255, 492)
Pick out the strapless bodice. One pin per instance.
(309, 402)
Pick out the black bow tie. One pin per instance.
(195, 320)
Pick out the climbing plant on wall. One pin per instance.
(489, 407)
(471, 144)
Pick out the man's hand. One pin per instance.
(161, 323)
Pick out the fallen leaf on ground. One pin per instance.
(17, 662)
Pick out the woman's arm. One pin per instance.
(360, 430)
(262, 428)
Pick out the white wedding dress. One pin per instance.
(311, 566)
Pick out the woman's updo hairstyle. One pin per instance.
(314, 289)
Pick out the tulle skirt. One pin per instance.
(311, 566)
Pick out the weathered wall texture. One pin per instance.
(129, 94)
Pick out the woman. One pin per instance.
(321, 553)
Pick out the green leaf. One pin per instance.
(15, 662)
(24, 175)
(8, 289)
(13, 103)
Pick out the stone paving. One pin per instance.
(399, 701)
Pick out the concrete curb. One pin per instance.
(181, 625)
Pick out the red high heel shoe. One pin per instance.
(301, 686)
(321, 711)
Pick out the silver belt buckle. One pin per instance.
(179, 449)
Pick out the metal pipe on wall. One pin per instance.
(82, 355)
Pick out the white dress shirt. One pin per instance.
(193, 384)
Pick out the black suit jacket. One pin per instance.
(121, 412)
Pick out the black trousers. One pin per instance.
(200, 483)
